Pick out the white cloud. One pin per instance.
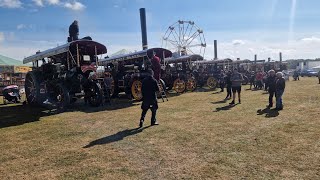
(75, 6)
(21, 26)
(237, 42)
(38, 2)
(53, 2)
(24, 26)
(10, 3)
(42, 3)
(311, 39)
(1, 37)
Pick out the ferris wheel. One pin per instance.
(184, 38)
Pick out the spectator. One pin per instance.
(271, 81)
(229, 84)
(280, 86)
(221, 80)
(252, 79)
(259, 78)
(319, 76)
(236, 80)
(149, 98)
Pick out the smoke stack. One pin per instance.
(255, 59)
(143, 28)
(215, 50)
(269, 59)
(280, 57)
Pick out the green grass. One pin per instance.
(199, 137)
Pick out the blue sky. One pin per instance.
(242, 27)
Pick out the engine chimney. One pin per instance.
(255, 59)
(143, 28)
(215, 50)
(280, 57)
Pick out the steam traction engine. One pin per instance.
(126, 72)
(61, 75)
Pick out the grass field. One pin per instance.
(199, 137)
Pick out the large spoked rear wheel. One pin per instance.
(61, 96)
(179, 85)
(191, 84)
(212, 83)
(32, 88)
(95, 95)
(136, 90)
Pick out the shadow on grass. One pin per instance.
(269, 113)
(116, 137)
(220, 102)
(20, 114)
(225, 108)
(203, 89)
(218, 92)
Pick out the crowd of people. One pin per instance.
(272, 82)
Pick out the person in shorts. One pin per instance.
(236, 80)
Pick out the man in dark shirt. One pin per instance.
(280, 86)
(271, 81)
(149, 98)
(73, 31)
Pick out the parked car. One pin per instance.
(309, 73)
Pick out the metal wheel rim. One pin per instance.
(136, 90)
(179, 85)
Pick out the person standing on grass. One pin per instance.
(149, 98)
(319, 76)
(236, 80)
(280, 86)
(259, 78)
(221, 80)
(252, 79)
(271, 81)
(229, 85)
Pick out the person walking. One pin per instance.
(280, 86)
(236, 80)
(229, 85)
(271, 81)
(149, 98)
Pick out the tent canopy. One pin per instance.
(9, 61)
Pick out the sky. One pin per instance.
(241, 27)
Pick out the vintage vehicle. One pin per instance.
(126, 72)
(61, 75)
(309, 73)
(208, 72)
(178, 73)
(11, 94)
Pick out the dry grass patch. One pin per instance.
(199, 137)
